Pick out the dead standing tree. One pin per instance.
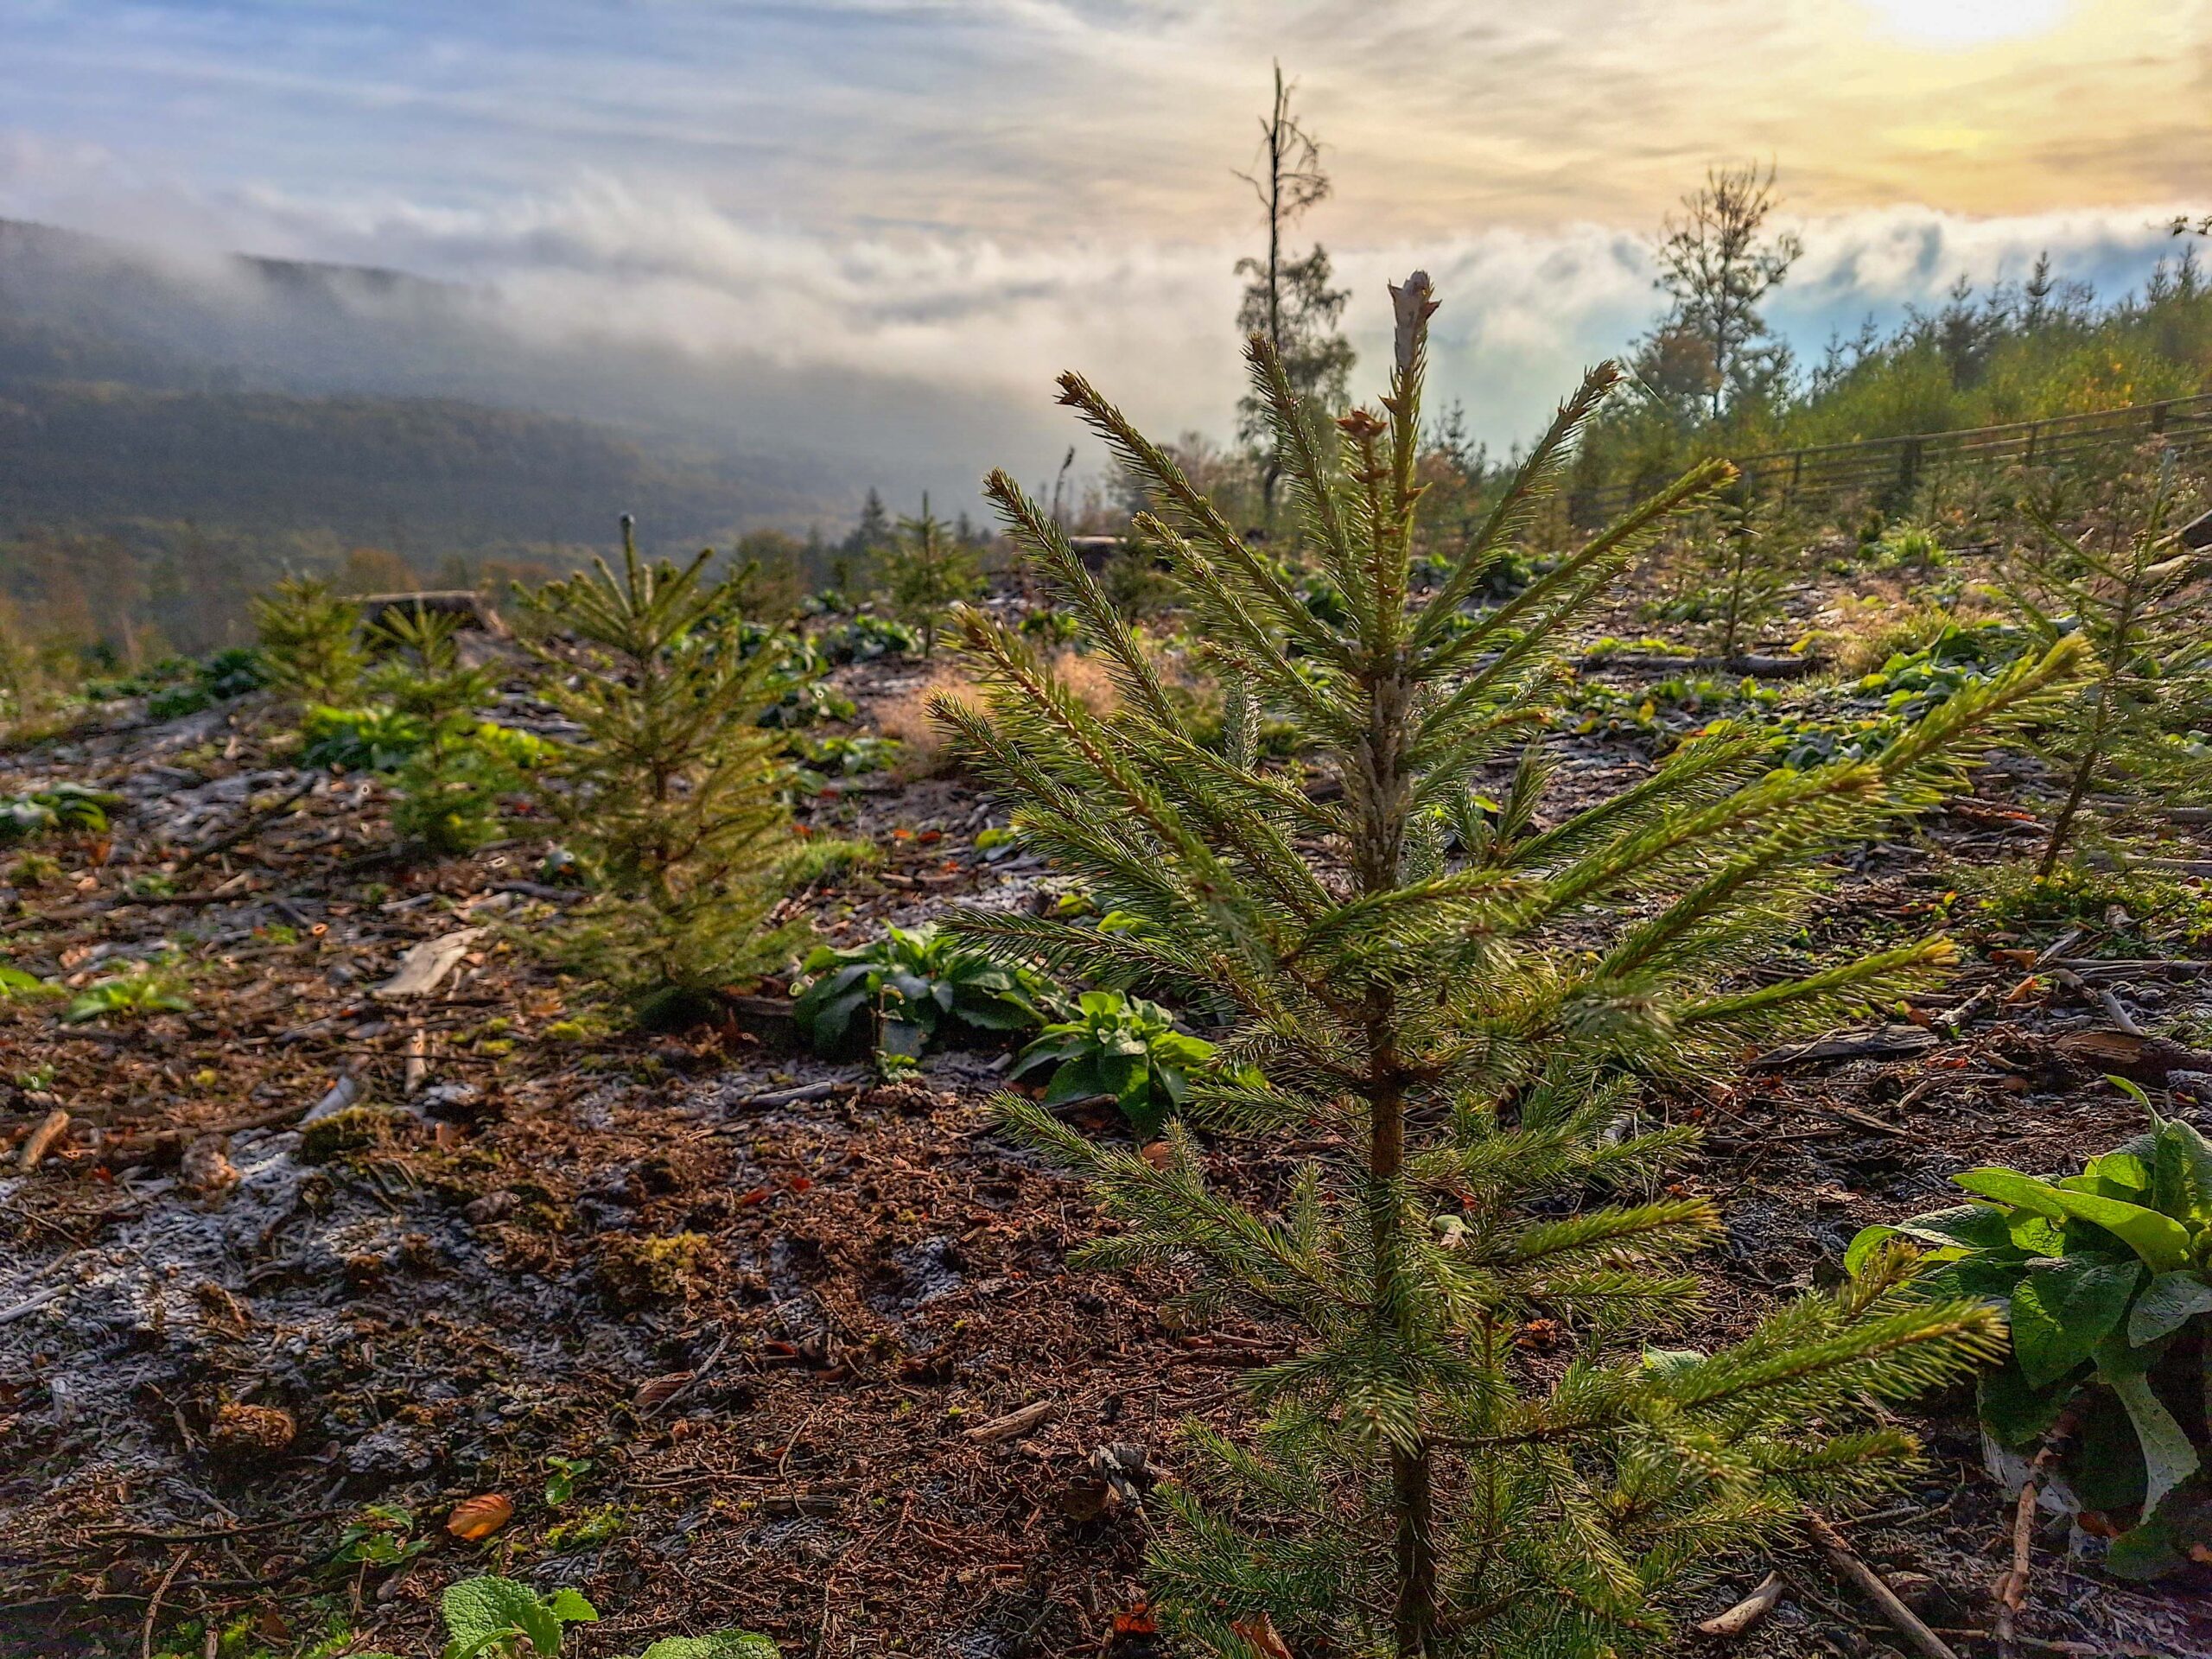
(1289, 302)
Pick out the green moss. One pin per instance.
(357, 1128)
(2131, 906)
(583, 1531)
(657, 1268)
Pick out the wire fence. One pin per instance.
(1887, 470)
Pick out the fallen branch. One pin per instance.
(1865, 1121)
(1847, 1561)
(2011, 1589)
(9, 1315)
(154, 1606)
(2102, 996)
(1890, 1043)
(1748, 1612)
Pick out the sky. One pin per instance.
(975, 194)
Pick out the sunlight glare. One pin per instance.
(1968, 22)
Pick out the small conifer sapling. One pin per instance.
(2142, 602)
(674, 795)
(1455, 1001)
(926, 569)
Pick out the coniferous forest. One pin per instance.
(1286, 1044)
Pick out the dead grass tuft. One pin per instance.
(925, 750)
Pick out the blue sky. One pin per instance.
(978, 193)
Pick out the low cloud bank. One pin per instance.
(932, 353)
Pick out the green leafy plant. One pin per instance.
(309, 641)
(2143, 603)
(1118, 1046)
(560, 1482)
(1909, 546)
(20, 981)
(65, 808)
(845, 754)
(2106, 1278)
(495, 1617)
(1461, 1036)
(383, 1535)
(866, 636)
(674, 796)
(375, 739)
(925, 570)
(152, 989)
(501, 1616)
(227, 674)
(909, 987)
(802, 693)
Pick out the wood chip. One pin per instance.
(422, 968)
(1014, 1422)
(41, 1140)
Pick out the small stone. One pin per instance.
(493, 1206)
(206, 1167)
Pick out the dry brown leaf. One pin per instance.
(1158, 1155)
(480, 1517)
(1260, 1631)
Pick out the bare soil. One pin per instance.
(782, 1308)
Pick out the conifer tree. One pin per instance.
(2142, 604)
(308, 637)
(1456, 1001)
(674, 795)
(926, 569)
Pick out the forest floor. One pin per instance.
(815, 1333)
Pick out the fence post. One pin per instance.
(2159, 420)
(1908, 468)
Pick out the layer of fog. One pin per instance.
(918, 360)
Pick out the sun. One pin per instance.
(1968, 22)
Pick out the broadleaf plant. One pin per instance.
(1459, 1031)
(494, 1618)
(904, 990)
(1118, 1046)
(2105, 1278)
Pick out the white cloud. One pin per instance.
(903, 343)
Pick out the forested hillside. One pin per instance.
(171, 438)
